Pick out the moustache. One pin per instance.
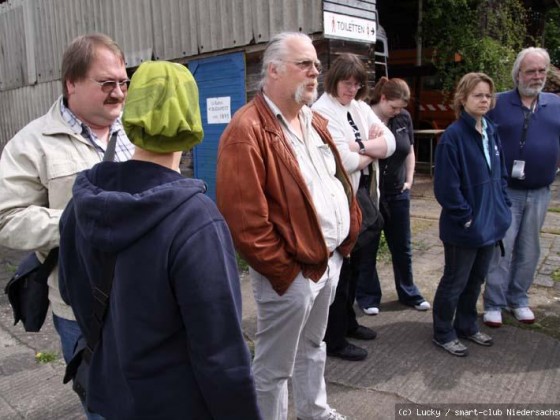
(113, 101)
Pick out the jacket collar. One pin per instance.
(515, 98)
(56, 125)
(471, 122)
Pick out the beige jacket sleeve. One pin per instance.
(26, 221)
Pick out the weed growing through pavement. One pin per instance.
(45, 357)
(242, 265)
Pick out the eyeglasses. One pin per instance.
(108, 86)
(351, 85)
(307, 64)
(534, 72)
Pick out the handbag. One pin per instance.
(372, 220)
(28, 291)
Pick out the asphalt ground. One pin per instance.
(404, 377)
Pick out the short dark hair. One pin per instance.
(345, 67)
(80, 53)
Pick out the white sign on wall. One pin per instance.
(218, 110)
(348, 27)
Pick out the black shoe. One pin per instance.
(350, 352)
(362, 333)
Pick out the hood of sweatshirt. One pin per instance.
(115, 203)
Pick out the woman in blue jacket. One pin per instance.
(469, 184)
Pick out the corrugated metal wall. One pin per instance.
(34, 33)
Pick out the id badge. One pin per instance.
(518, 169)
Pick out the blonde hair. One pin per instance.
(466, 85)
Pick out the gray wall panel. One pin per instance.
(364, 9)
(175, 29)
(13, 62)
(57, 22)
(227, 24)
(273, 16)
(19, 106)
(129, 22)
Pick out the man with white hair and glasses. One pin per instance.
(528, 123)
(282, 189)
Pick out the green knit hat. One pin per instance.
(162, 113)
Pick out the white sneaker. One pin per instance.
(492, 319)
(524, 315)
(334, 415)
(422, 306)
(371, 310)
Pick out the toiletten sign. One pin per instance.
(348, 27)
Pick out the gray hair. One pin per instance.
(276, 50)
(521, 56)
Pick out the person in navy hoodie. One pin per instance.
(470, 185)
(171, 344)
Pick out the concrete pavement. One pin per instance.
(404, 370)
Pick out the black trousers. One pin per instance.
(342, 318)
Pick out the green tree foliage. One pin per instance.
(474, 35)
(552, 35)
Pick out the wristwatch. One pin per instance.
(362, 150)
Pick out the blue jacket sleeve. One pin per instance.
(447, 181)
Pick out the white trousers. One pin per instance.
(289, 344)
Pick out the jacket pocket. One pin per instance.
(61, 175)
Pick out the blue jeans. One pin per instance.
(69, 333)
(397, 233)
(368, 289)
(510, 277)
(454, 309)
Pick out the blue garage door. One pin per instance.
(221, 84)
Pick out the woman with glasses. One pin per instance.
(361, 139)
(470, 185)
(389, 98)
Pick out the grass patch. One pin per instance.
(420, 225)
(383, 253)
(554, 209)
(420, 246)
(555, 276)
(45, 357)
(242, 265)
(549, 325)
(10, 268)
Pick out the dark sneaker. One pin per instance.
(350, 352)
(480, 338)
(455, 347)
(362, 333)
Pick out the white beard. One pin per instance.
(300, 95)
(530, 92)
